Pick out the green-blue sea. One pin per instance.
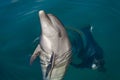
(20, 26)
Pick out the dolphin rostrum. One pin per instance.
(54, 48)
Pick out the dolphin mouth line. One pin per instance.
(46, 16)
(52, 23)
(50, 18)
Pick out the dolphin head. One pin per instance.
(50, 25)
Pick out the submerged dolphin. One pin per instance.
(54, 48)
(91, 53)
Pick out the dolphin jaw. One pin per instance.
(47, 25)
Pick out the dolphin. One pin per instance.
(91, 54)
(54, 48)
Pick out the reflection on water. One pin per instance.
(19, 27)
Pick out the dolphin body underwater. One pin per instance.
(91, 54)
(54, 48)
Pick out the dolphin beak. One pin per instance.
(44, 18)
(49, 23)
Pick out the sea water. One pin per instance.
(20, 26)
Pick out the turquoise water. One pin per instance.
(19, 27)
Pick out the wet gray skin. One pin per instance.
(54, 48)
